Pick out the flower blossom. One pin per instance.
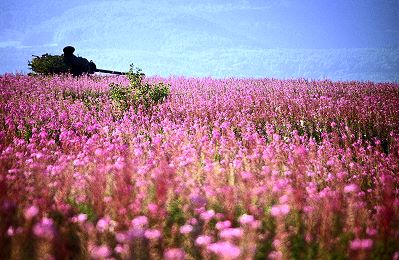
(225, 250)
(152, 234)
(31, 212)
(100, 252)
(245, 219)
(174, 254)
(280, 210)
(203, 240)
(186, 229)
(230, 233)
(358, 244)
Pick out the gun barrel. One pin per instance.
(110, 72)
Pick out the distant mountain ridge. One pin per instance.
(199, 38)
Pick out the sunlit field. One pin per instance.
(222, 169)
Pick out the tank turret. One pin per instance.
(68, 62)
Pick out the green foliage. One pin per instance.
(83, 208)
(25, 133)
(300, 248)
(175, 218)
(121, 96)
(265, 245)
(175, 212)
(145, 93)
(135, 76)
(151, 94)
(48, 64)
(138, 92)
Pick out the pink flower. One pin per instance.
(237, 164)
(82, 218)
(350, 188)
(102, 224)
(276, 243)
(280, 210)
(207, 215)
(186, 229)
(371, 231)
(230, 233)
(44, 228)
(276, 255)
(98, 152)
(225, 250)
(246, 175)
(174, 254)
(31, 212)
(10, 231)
(152, 234)
(193, 221)
(100, 252)
(135, 233)
(223, 224)
(283, 199)
(120, 163)
(358, 244)
(203, 240)
(140, 221)
(121, 237)
(245, 219)
(153, 208)
(120, 249)
(285, 209)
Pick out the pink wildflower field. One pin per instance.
(222, 169)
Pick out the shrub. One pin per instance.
(121, 96)
(48, 64)
(137, 92)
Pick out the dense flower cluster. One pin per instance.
(229, 169)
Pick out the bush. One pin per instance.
(121, 96)
(48, 64)
(138, 92)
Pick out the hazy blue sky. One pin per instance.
(340, 39)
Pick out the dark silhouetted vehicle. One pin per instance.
(77, 65)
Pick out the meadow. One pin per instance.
(221, 169)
